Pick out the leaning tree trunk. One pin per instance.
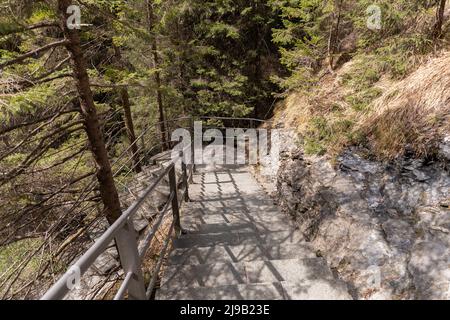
(154, 45)
(437, 32)
(108, 191)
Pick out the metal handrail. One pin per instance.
(233, 118)
(60, 289)
(148, 239)
(152, 284)
(124, 234)
(123, 289)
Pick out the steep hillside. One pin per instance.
(368, 182)
(388, 119)
(413, 113)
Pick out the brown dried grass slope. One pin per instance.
(413, 114)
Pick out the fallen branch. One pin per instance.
(33, 53)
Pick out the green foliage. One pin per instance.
(42, 12)
(304, 35)
(302, 38)
(316, 38)
(398, 52)
(365, 71)
(319, 133)
(361, 100)
(7, 28)
(7, 55)
(313, 146)
(223, 30)
(324, 134)
(220, 52)
(28, 102)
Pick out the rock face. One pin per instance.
(385, 229)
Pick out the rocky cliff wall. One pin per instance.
(384, 228)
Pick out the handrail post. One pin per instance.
(175, 208)
(126, 241)
(185, 177)
(193, 169)
(144, 154)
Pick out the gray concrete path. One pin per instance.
(239, 246)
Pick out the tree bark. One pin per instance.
(159, 94)
(334, 36)
(130, 129)
(108, 191)
(126, 105)
(437, 32)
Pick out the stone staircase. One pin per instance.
(240, 247)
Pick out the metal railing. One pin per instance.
(122, 231)
(125, 236)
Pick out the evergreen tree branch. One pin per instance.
(33, 53)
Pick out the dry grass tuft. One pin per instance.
(365, 106)
(413, 114)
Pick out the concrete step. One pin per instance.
(294, 271)
(316, 290)
(190, 210)
(238, 238)
(239, 253)
(194, 226)
(302, 278)
(228, 188)
(270, 291)
(249, 203)
(195, 208)
(263, 221)
(226, 202)
(206, 275)
(199, 228)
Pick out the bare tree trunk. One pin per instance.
(162, 119)
(104, 175)
(334, 35)
(437, 32)
(130, 129)
(330, 50)
(126, 105)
